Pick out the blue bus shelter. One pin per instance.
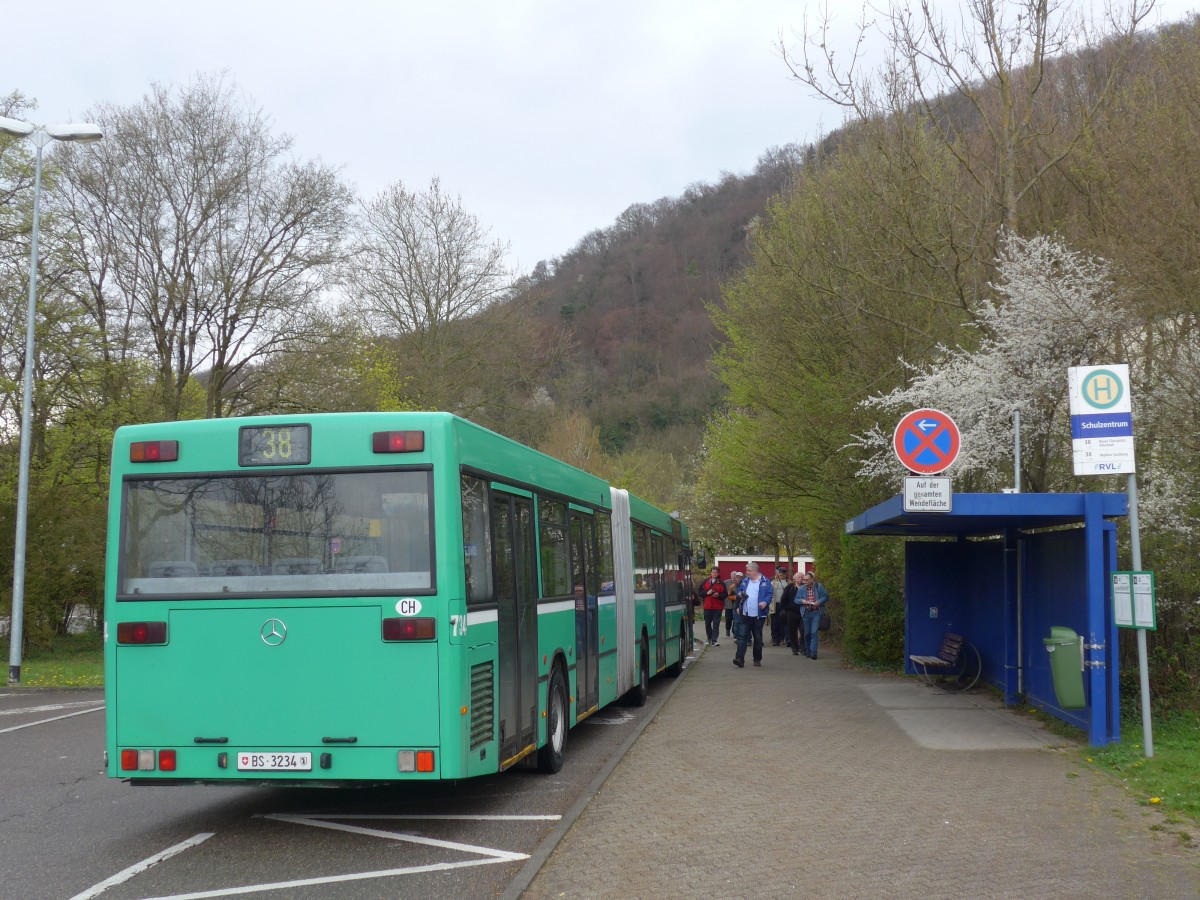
(1001, 570)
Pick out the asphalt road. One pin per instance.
(67, 831)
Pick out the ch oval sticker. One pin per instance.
(408, 606)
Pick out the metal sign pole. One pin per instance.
(1016, 451)
(1143, 666)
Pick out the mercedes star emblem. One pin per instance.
(273, 632)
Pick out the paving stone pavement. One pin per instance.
(841, 784)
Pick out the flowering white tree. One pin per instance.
(1052, 308)
(1169, 491)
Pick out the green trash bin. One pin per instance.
(1066, 666)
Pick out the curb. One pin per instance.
(541, 854)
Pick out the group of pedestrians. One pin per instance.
(748, 600)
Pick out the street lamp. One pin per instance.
(41, 135)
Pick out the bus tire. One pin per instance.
(675, 669)
(641, 690)
(553, 753)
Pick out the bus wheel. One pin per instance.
(637, 696)
(676, 668)
(554, 752)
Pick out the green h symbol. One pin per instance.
(1102, 389)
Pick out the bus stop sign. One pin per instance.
(926, 441)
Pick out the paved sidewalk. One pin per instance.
(848, 784)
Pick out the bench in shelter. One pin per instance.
(956, 667)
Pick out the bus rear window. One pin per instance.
(277, 533)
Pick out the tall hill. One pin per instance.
(634, 295)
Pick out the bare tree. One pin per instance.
(423, 262)
(992, 75)
(203, 246)
(427, 280)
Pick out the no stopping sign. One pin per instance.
(926, 441)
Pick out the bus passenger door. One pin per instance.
(516, 597)
(586, 587)
(660, 597)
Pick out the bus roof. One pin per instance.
(476, 448)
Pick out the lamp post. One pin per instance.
(41, 135)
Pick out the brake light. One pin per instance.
(398, 441)
(414, 761)
(141, 632)
(143, 760)
(409, 629)
(154, 451)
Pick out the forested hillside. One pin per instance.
(636, 297)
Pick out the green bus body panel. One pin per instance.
(607, 618)
(333, 676)
(556, 635)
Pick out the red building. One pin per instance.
(766, 564)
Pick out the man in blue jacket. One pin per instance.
(811, 598)
(754, 601)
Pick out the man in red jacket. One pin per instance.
(713, 591)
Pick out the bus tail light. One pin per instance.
(414, 761)
(166, 760)
(398, 441)
(409, 629)
(154, 451)
(141, 760)
(141, 632)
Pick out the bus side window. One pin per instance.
(299, 565)
(171, 568)
(362, 564)
(234, 567)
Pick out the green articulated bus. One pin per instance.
(371, 597)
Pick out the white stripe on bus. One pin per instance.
(482, 617)
(560, 606)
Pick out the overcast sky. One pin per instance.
(548, 118)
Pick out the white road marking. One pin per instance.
(436, 818)
(52, 707)
(83, 712)
(331, 879)
(124, 875)
(394, 836)
(490, 854)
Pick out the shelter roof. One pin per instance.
(979, 515)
